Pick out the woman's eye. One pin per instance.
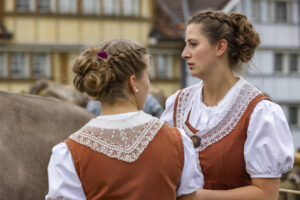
(192, 44)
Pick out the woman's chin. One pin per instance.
(199, 75)
(194, 73)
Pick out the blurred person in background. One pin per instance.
(153, 107)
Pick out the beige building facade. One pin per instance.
(46, 36)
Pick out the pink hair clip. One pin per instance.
(102, 54)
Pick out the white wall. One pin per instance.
(262, 63)
(278, 35)
(279, 88)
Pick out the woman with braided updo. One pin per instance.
(123, 153)
(241, 137)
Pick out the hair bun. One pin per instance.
(92, 73)
(102, 70)
(246, 38)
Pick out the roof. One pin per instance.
(3, 32)
(171, 16)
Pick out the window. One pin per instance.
(281, 11)
(278, 62)
(293, 115)
(293, 63)
(164, 66)
(91, 6)
(67, 6)
(3, 65)
(111, 7)
(23, 5)
(44, 5)
(130, 7)
(41, 67)
(19, 65)
(270, 11)
(161, 67)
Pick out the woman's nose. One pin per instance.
(185, 54)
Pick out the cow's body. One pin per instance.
(29, 127)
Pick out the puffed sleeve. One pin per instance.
(167, 115)
(64, 182)
(269, 148)
(191, 178)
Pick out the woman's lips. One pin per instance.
(190, 65)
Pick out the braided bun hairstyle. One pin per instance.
(104, 77)
(241, 37)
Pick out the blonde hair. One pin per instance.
(104, 78)
(241, 37)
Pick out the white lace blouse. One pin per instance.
(268, 150)
(64, 182)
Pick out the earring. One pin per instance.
(136, 90)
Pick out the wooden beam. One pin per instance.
(1, 10)
(297, 159)
(79, 7)
(63, 68)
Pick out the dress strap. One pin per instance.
(175, 108)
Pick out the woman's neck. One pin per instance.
(117, 108)
(216, 87)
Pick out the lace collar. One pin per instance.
(223, 107)
(123, 138)
(231, 108)
(231, 94)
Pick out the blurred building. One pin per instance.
(40, 38)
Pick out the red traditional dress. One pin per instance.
(245, 136)
(126, 156)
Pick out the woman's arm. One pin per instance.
(261, 189)
(192, 196)
(64, 182)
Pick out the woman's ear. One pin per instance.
(131, 84)
(221, 47)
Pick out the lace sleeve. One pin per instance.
(269, 148)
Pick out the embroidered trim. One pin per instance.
(185, 102)
(125, 144)
(231, 117)
(223, 107)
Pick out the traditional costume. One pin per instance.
(125, 156)
(245, 136)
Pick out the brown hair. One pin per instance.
(241, 37)
(104, 78)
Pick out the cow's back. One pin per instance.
(29, 127)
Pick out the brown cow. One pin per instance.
(29, 127)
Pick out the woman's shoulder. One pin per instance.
(266, 106)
